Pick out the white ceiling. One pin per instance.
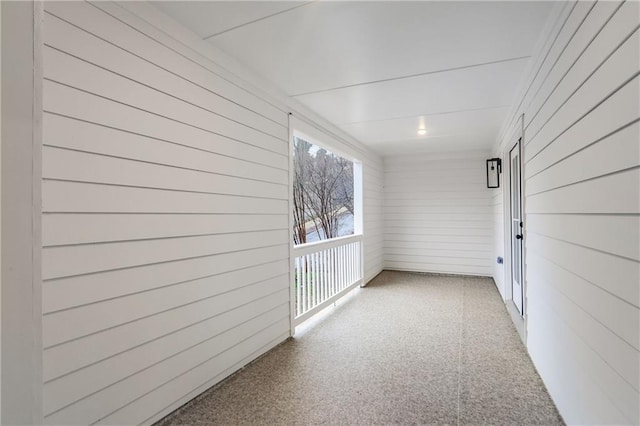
(381, 69)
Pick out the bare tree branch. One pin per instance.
(323, 190)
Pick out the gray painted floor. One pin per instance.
(408, 348)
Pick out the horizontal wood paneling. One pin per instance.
(65, 228)
(569, 367)
(94, 50)
(619, 68)
(244, 339)
(436, 195)
(73, 387)
(67, 292)
(96, 81)
(607, 194)
(554, 51)
(616, 275)
(65, 261)
(446, 244)
(617, 235)
(437, 266)
(616, 111)
(165, 218)
(77, 135)
(93, 20)
(165, 221)
(582, 205)
(610, 311)
(197, 380)
(121, 119)
(75, 323)
(562, 72)
(78, 166)
(79, 353)
(591, 162)
(85, 197)
(437, 214)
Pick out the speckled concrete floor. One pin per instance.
(407, 349)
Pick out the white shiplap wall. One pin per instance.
(156, 23)
(165, 219)
(438, 213)
(582, 204)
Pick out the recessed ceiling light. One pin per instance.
(422, 132)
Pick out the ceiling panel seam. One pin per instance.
(256, 20)
(385, 80)
(424, 115)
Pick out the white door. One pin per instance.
(517, 290)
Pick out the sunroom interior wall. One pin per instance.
(438, 213)
(582, 212)
(165, 217)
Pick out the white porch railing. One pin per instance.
(323, 272)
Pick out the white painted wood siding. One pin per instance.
(373, 177)
(165, 216)
(582, 204)
(438, 214)
(165, 222)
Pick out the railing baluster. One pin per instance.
(353, 263)
(340, 267)
(303, 283)
(315, 279)
(298, 282)
(354, 266)
(347, 269)
(350, 261)
(332, 274)
(326, 274)
(336, 270)
(324, 290)
(346, 265)
(345, 257)
(319, 276)
(310, 274)
(309, 283)
(305, 266)
(358, 265)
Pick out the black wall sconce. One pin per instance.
(494, 168)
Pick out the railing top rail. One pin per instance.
(302, 249)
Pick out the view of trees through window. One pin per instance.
(322, 194)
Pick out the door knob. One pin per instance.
(518, 237)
